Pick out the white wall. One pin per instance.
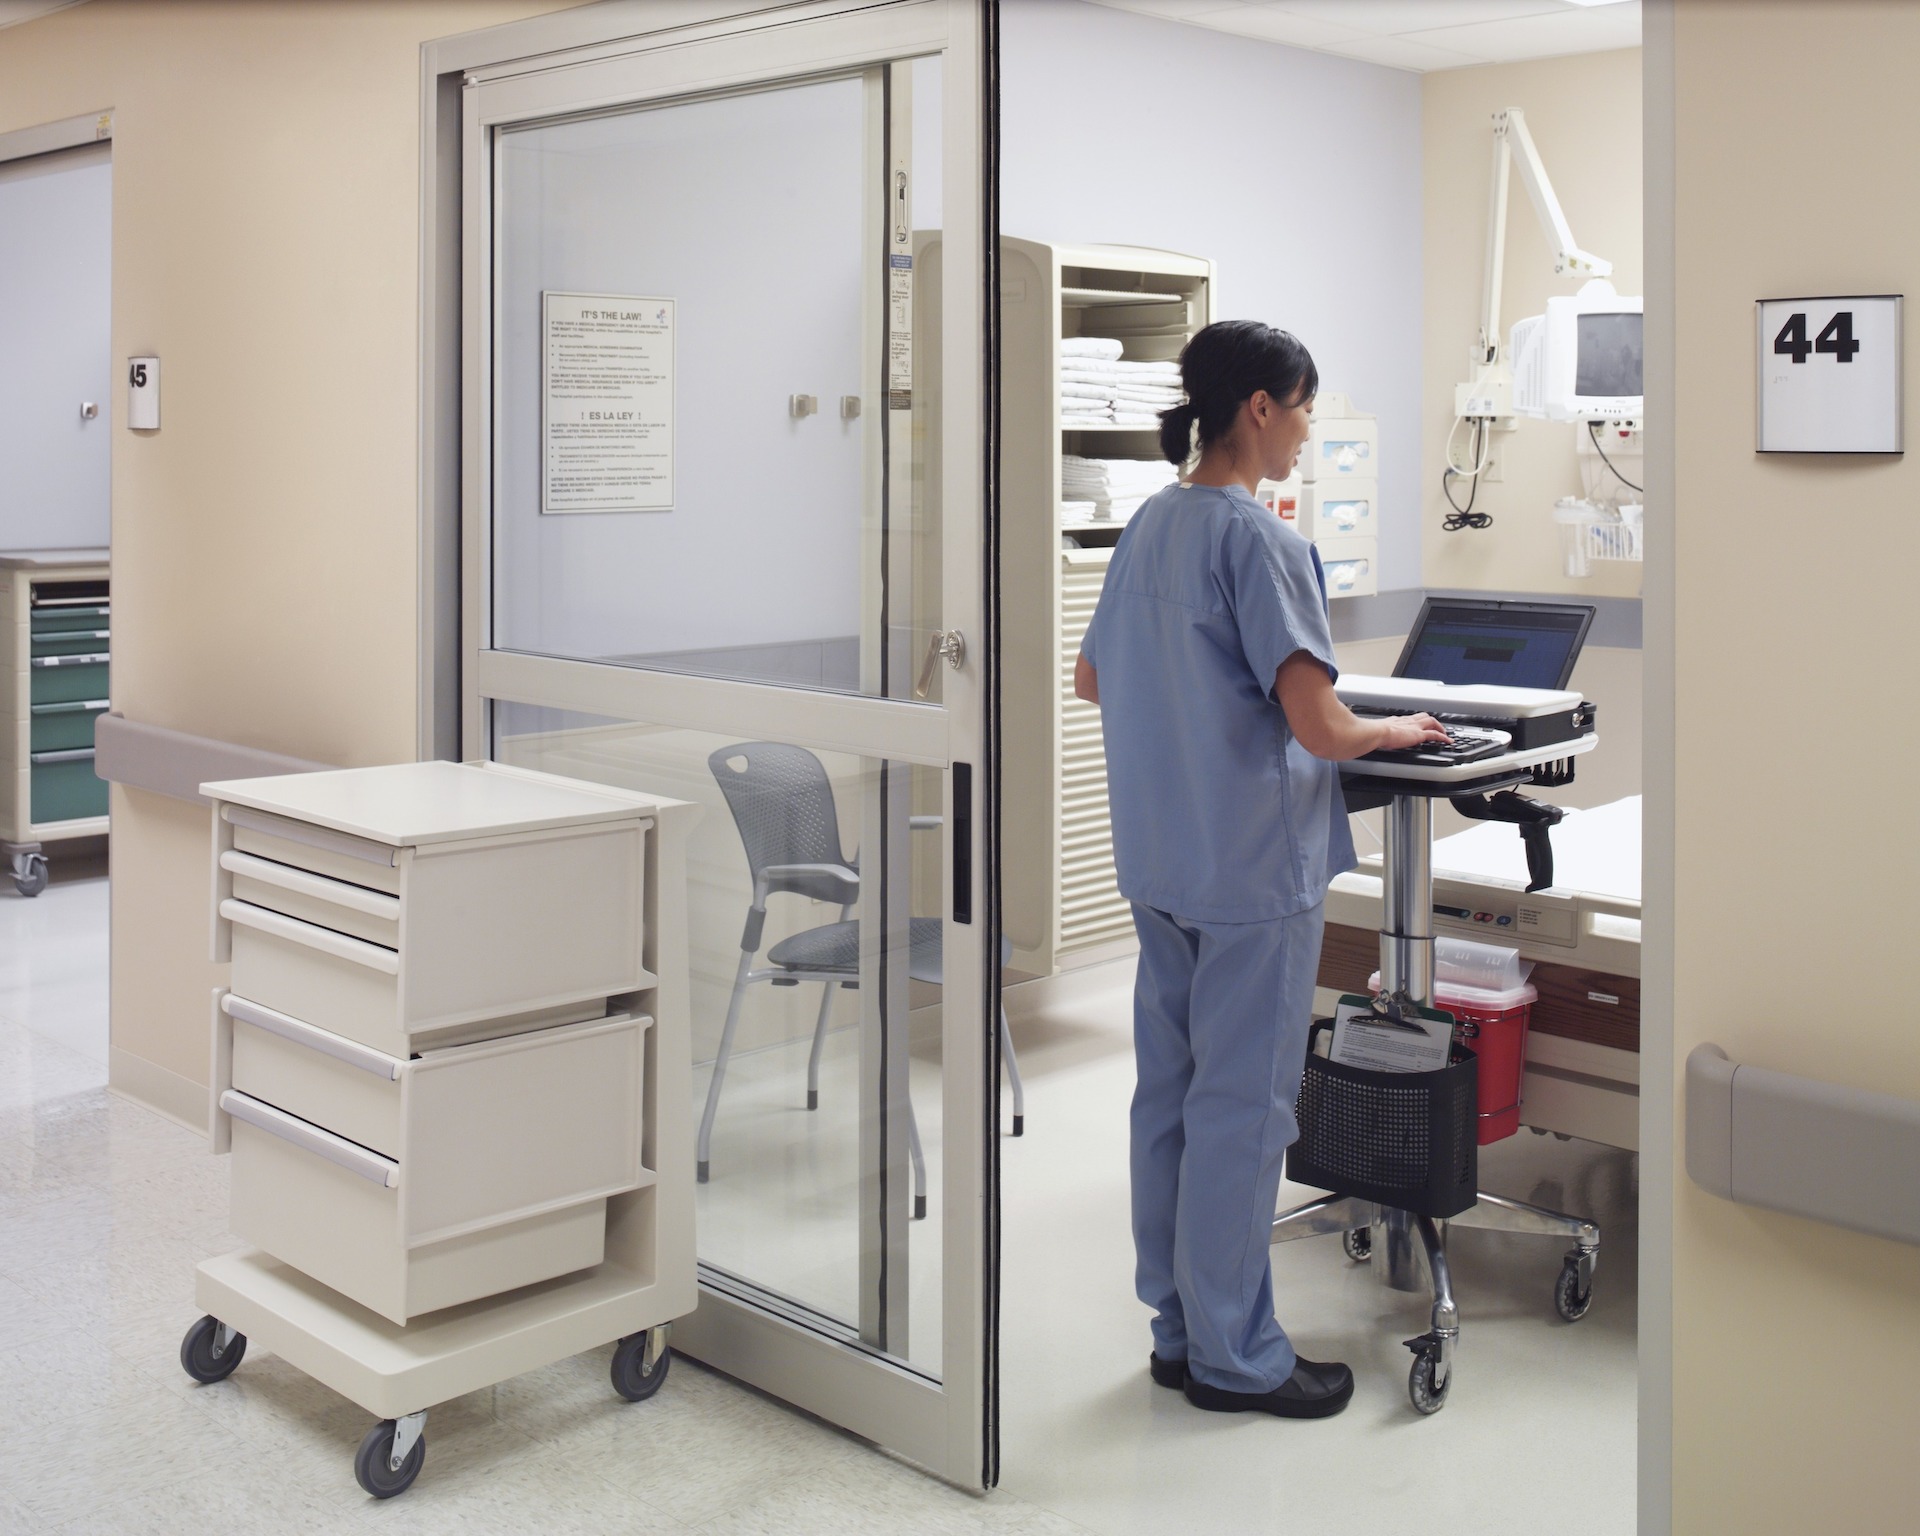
(56, 280)
(1298, 173)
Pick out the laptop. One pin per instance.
(1463, 641)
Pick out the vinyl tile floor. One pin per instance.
(105, 1208)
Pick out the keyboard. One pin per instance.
(1464, 744)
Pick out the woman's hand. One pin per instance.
(1327, 728)
(1409, 731)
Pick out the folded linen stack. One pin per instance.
(1098, 386)
(1115, 487)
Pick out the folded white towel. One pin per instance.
(1073, 389)
(1120, 373)
(1090, 346)
(1078, 511)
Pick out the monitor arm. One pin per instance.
(1512, 142)
(1489, 396)
(1535, 818)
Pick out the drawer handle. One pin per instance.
(75, 707)
(324, 838)
(70, 755)
(304, 883)
(68, 661)
(74, 634)
(337, 1150)
(1612, 999)
(299, 1032)
(374, 957)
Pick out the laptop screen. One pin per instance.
(1523, 645)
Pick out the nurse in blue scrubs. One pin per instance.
(1212, 663)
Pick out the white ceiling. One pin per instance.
(1415, 34)
(13, 12)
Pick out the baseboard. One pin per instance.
(1081, 980)
(179, 1099)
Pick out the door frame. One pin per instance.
(950, 1426)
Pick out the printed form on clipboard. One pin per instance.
(1364, 1038)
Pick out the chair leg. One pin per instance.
(1013, 1076)
(819, 1039)
(919, 1163)
(720, 1063)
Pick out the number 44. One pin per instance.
(1837, 338)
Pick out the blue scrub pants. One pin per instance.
(1220, 1019)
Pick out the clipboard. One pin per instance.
(1420, 1040)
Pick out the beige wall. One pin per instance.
(1796, 1346)
(265, 231)
(1584, 114)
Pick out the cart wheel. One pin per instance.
(1358, 1244)
(372, 1466)
(1568, 1299)
(33, 879)
(1426, 1397)
(631, 1378)
(202, 1359)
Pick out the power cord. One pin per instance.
(1593, 431)
(1465, 517)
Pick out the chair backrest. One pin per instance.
(782, 802)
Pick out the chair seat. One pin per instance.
(833, 949)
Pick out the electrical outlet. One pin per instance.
(1495, 471)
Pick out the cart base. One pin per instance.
(393, 1371)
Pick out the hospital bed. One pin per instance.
(1582, 933)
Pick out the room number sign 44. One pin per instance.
(1829, 375)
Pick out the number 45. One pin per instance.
(1837, 338)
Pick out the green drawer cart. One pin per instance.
(56, 610)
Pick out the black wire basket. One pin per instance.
(1401, 1139)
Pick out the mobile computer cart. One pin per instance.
(453, 1071)
(1408, 1247)
(54, 610)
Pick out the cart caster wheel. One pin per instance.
(373, 1466)
(1568, 1299)
(205, 1358)
(33, 879)
(631, 1378)
(1358, 1244)
(1425, 1396)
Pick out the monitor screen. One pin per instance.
(1523, 645)
(1608, 358)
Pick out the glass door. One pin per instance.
(723, 540)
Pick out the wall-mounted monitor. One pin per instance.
(1583, 360)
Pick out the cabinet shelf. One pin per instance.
(1097, 298)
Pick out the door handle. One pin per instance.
(949, 643)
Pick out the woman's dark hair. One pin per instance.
(1223, 365)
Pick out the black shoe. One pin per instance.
(1313, 1391)
(1167, 1373)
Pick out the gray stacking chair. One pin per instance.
(782, 803)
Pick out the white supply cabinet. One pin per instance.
(453, 1073)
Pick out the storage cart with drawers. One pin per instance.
(452, 1069)
(54, 610)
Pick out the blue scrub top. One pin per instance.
(1219, 814)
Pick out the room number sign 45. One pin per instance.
(1829, 375)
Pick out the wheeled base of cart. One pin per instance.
(28, 862)
(1411, 1249)
(1412, 1256)
(397, 1373)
